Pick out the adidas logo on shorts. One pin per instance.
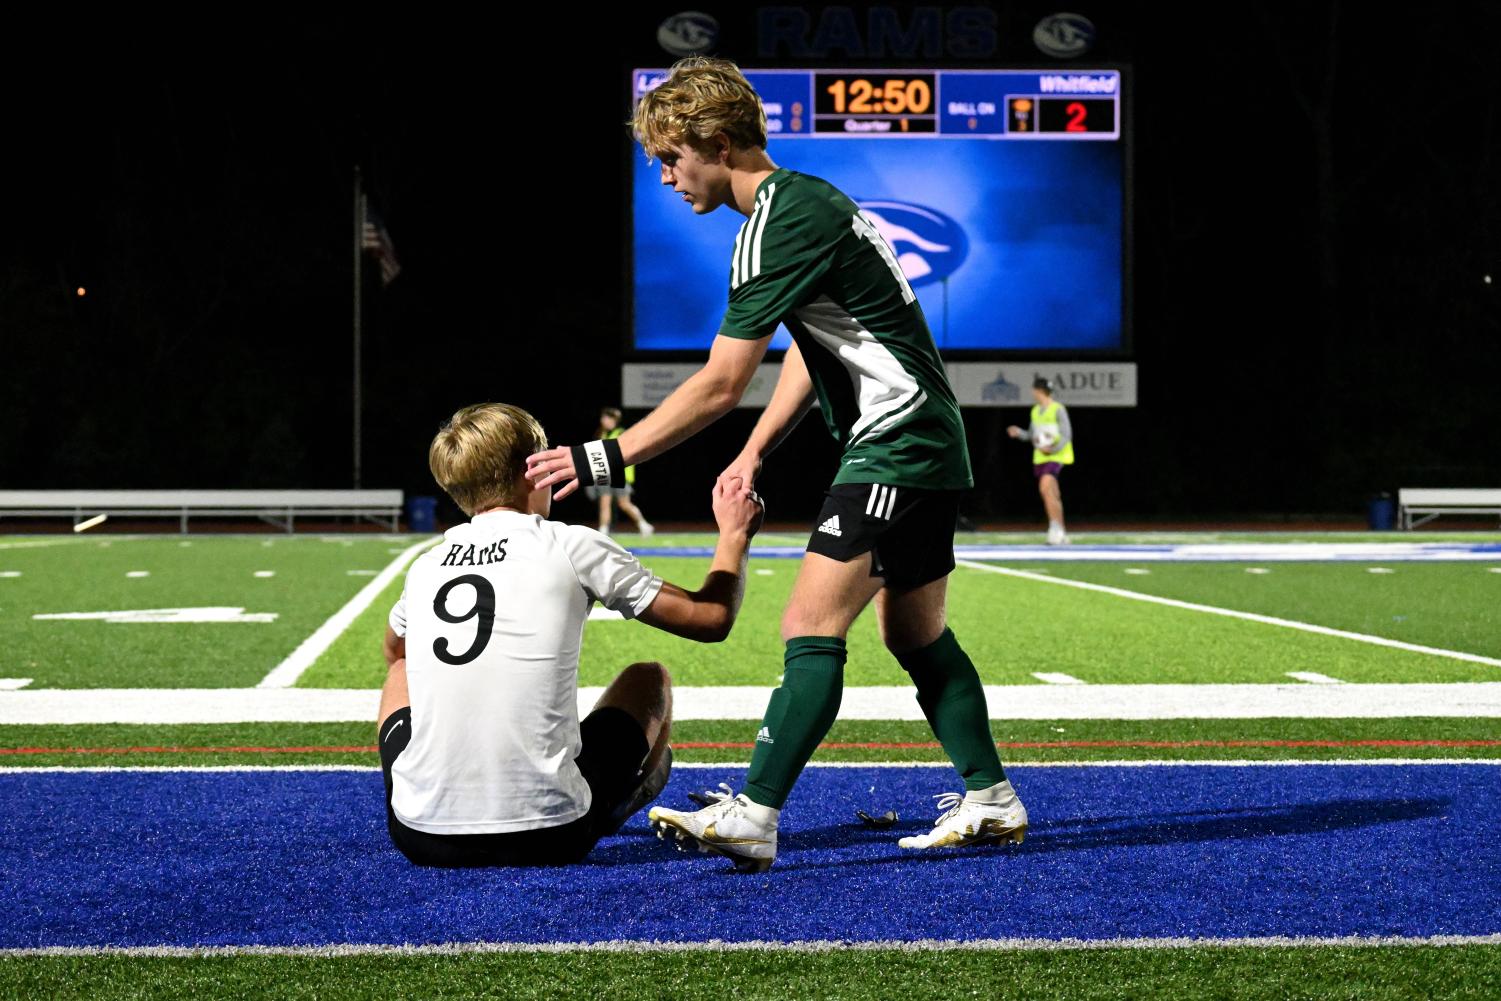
(764, 736)
(831, 526)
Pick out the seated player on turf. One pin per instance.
(485, 760)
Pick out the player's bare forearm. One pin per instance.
(698, 402)
(705, 615)
(393, 647)
(790, 403)
(724, 587)
(702, 399)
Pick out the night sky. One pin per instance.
(1316, 209)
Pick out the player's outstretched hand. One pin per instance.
(737, 508)
(745, 468)
(1014, 431)
(554, 466)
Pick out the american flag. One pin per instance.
(375, 240)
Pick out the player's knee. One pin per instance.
(796, 622)
(791, 619)
(905, 637)
(647, 673)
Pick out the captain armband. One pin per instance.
(599, 463)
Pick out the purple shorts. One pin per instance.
(1042, 469)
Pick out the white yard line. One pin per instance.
(44, 543)
(1056, 678)
(721, 766)
(1293, 700)
(810, 946)
(1314, 678)
(13, 684)
(1239, 552)
(285, 674)
(1230, 613)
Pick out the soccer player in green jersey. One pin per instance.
(807, 257)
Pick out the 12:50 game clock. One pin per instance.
(905, 100)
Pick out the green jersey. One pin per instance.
(809, 258)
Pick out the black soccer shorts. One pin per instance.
(909, 531)
(613, 750)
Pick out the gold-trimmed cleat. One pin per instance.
(729, 828)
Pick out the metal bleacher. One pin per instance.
(1418, 506)
(277, 507)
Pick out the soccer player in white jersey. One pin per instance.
(807, 257)
(485, 760)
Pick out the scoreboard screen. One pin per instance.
(1002, 193)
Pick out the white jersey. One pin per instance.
(493, 619)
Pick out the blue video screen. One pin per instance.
(1010, 245)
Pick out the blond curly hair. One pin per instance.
(701, 96)
(479, 454)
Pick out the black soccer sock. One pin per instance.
(949, 691)
(797, 718)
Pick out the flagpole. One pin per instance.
(359, 233)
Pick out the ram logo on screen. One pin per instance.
(928, 244)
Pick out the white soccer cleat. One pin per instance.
(734, 827)
(647, 529)
(1057, 536)
(966, 821)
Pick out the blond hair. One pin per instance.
(701, 96)
(479, 453)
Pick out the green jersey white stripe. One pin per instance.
(747, 262)
(810, 259)
(771, 190)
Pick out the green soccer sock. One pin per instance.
(797, 718)
(949, 691)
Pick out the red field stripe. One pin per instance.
(331, 749)
(832, 746)
(1155, 744)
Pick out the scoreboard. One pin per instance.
(978, 104)
(1002, 193)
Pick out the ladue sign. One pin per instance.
(1078, 384)
(976, 384)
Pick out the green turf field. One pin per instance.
(311, 579)
(1021, 741)
(1013, 624)
(1449, 605)
(1399, 974)
(1013, 627)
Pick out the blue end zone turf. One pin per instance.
(302, 858)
